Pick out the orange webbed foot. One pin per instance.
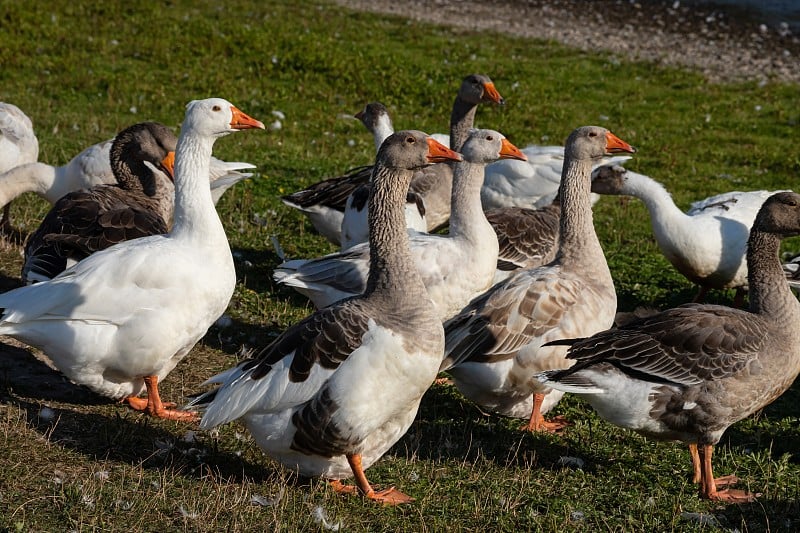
(341, 488)
(555, 425)
(390, 496)
(734, 496)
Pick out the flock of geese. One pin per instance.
(515, 301)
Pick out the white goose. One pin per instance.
(18, 143)
(690, 372)
(355, 230)
(494, 345)
(335, 391)
(455, 267)
(120, 320)
(707, 243)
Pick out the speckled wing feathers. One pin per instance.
(512, 314)
(680, 345)
(326, 338)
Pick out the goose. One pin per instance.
(455, 267)
(335, 391)
(532, 183)
(85, 221)
(706, 243)
(690, 372)
(18, 144)
(120, 320)
(494, 346)
(324, 202)
(375, 118)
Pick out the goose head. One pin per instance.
(477, 89)
(610, 179)
(215, 117)
(485, 146)
(141, 150)
(412, 150)
(593, 142)
(374, 116)
(780, 214)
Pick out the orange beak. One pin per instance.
(439, 153)
(509, 151)
(241, 121)
(168, 164)
(615, 145)
(491, 93)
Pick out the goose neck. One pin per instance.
(462, 119)
(578, 241)
(769, 291)
(466, 213)
(195, 216)
(655, 197)
(391, 269)
(31, 177)
(383, 128)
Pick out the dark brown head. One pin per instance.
(133, 147)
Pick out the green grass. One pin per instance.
(86, 70)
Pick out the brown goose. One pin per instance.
(494, 345)
(335, 391)
(85, 221)
(688, 373)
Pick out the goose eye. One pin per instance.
(490, 137)
(592, 134)
(216, 108)
(410, 140)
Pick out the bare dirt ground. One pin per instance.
(723, 45)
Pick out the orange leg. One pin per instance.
(537, 421)
(697, 472)
(709, 486)
(390, 496)
(153, 405)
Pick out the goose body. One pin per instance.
(690, 372)
(707, 243)
(494, 346)
(455, 267)
(120, 320)
(331, 394)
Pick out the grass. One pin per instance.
(84, 70)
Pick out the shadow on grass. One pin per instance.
(449, 426)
